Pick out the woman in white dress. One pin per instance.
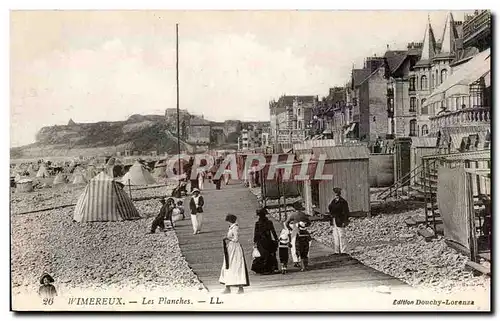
(234, 269)
(201, 179)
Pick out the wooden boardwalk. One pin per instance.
(204, 251)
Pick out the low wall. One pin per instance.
(381, 170)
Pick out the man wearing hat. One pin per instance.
(292, 224)
(339, 211)
(196, 206)
(159, 220)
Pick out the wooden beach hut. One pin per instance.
(349, 167)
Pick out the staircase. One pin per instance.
(420, 184)
(428, 184)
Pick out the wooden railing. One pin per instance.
(463, 117)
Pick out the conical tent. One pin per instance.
(79, 178)
(42, 172)
(59, 179)
(104, 200)
(138, 175)
(19, 168)
(91, 172)
(160, 169)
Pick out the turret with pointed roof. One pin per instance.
(429, 46)
(450, 35)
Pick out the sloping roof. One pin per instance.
(370, 75)
(342, 152)
(429, 43)
(460, 80)
(464, 55)
(359, 75)
(425, 62)
(395, 58)
(450, 34)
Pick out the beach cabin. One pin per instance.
(349, 170)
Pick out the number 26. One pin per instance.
(48, 301)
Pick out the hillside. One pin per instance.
(138, 133)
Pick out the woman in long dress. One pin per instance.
(266, 241)
(234, 269)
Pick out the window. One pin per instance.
(425, 130)
(412, 84)
(413, 102)
(425, 109)
(444, 74)
(413, 127)
(437, 78)
(433, 80)
(298, 112)
(423, 83)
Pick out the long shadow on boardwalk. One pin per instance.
(204, 251)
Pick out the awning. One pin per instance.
(459, 81)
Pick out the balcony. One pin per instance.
(476, 25)
(475, 116)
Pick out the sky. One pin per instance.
(108, 65)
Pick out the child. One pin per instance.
(169, 212)
(180, 207)
(302, 245)
(284, 244)
(47, 290)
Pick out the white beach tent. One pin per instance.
(79, 178)
(138, 175)
(59, 179)
(104, 200)
(91, 172)
(42, 172)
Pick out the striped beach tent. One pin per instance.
(104, 200)
(138, 175)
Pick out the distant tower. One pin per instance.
(424, 82)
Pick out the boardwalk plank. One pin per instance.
(204, 251)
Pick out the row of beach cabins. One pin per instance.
(454, 189)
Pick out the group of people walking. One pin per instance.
(294, 238)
